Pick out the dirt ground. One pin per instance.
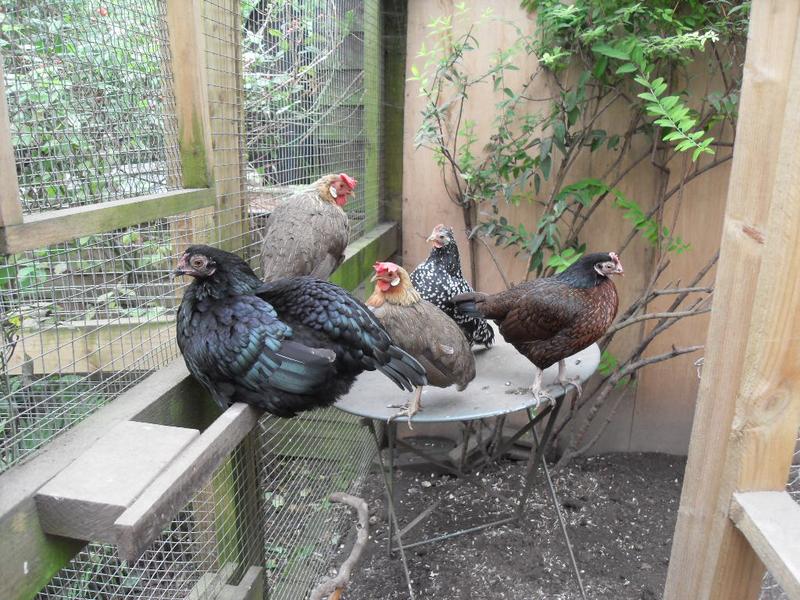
(620, 512)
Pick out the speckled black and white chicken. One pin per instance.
(439, 278)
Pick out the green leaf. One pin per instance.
(610, 51)
(626, 68)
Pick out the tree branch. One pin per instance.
(334, 584)
(658, 315)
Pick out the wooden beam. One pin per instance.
(10, 205)
(26, 565)
(55, 226)
(223, 29)
(251, 586)
(372, 111)
(188, 51)
(748, 407)
(141, 523)
(771, 523)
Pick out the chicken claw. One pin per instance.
(541, 395)
(410, 409)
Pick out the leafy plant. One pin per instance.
(596, 56)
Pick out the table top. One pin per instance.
(501, 386)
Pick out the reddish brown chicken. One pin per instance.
(307, 233)
(422, 330)
(552, 318)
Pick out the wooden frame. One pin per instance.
(748, 408)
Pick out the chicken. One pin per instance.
(552, 318)
(243, 343)
(307, 233)
(422, 330)
(439, 278)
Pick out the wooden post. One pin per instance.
(749, 401)
(372, 111)
(190, 87)
(394, 16)
(10, 206)
(223, 29)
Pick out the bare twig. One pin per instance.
(494, 260)
(657, 315)
(685, 290)
(332, 584)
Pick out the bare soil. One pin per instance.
(620, 511)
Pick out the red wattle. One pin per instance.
(384, 286)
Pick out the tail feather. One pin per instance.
(469, 303)
(403, 369)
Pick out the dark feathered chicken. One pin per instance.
(286, 346)
(422, 330)
(551, 318)
(307, 233)
(439, 278)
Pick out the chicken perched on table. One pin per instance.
(439, 278)
(552, 318)
(307, 233)
(422, 330)
(286, 346)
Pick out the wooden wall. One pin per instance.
(657, 416)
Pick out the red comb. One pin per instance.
(349, 181)
(385, 266)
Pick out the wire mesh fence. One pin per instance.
(90, 94)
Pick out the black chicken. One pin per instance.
(439, 278)
(286, 346)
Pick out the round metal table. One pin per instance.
(501, 386)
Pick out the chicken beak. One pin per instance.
(374, 278)
(181, 269)
(431, 238)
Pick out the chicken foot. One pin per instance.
(540, 394)
(411, 408)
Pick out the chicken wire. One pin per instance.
(306, 88)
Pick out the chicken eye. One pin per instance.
(198, 262)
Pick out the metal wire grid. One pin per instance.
(304, 94)
(211, 542)
(83, 321)
(303, 461)
(92, 111)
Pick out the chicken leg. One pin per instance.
(568, 381)
(539, 394)
(411, 408)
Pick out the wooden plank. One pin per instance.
(51, 227)
(771, 523)
(372, 111)
(377, 244)
(138, 526)
(10, 205)
(210, 584)
(187, 48)
(749, 401)
(251, 586)
(84, 499)
(34, 557)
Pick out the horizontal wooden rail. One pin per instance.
(771, 523)
(56, 226)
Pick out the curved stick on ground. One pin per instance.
(333, 586)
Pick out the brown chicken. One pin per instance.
(422, 330)
(307, 233)
(552, 318)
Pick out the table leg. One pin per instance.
(537, 453)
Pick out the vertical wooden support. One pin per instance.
(190, 87)
(10, 206)
(372, 110)
(394, 18)
(749, 401)
(223, 30)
